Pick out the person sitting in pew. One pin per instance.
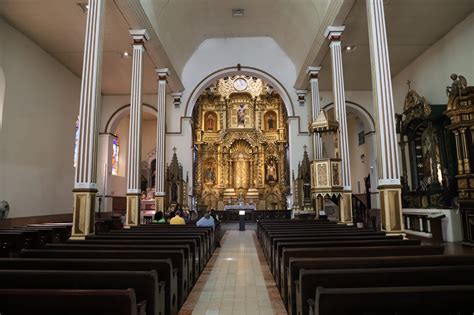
(206, 221)
(159, 218)
(177, 219)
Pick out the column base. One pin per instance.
(83, 215)
(160, 203)
(133, 210)
(345, 208)
(391, 209)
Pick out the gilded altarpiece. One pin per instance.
(240, 145)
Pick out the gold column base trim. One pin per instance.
(345, 208)
(132, 218)
(83, 215)
(160, 203)
(391, 209)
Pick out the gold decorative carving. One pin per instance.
(322, 175)
(242, 157)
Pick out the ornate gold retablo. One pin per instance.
(240, 144)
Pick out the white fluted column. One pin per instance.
(333, 33)
(388, 163)
(85, 182)
(313, 73)
(135, 130)
(160, 140)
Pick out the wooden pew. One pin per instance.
(71, 302)
(280, 266)
(322, 238)
(297, 264)
(433, 300)
(316, 233)
(13, 241)
(144, 283)
(167, 277)
(135, 237)
(195, 252)
(205, 240)
(382, 277)
(177, 257)
(185, 248)
(380, 251)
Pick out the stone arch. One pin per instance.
(230, 71)
(117, 116)
(364, 115)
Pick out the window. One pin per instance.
(76, 142)
(361, 138)
(115, 155)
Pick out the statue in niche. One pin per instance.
(209, 175)
(174, 189)
(210, 122)
(241, 116)
(271, 122)
(271, 172)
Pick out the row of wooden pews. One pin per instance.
(322, 267)
(146, 269)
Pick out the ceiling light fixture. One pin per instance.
(237, 12)
(84, 7)
(126, 55)
(349, 48)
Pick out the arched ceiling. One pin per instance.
(183, 25)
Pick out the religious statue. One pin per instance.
(209, 175)
(459, 83)
(270, 122)
(241, 115)
(210, 122)
(174, 192)
(271, 172)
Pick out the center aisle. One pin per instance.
(233, 282)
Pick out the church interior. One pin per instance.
(237, 157)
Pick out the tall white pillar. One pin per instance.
(135, 130)
(313, 73)
(160, 140)
(333, 33)
(388, 163)
(85, 181)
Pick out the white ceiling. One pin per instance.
(412, 27)
(58, 27)
(183, 25)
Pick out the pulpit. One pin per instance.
(326, 177)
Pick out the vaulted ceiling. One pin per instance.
(182, 25)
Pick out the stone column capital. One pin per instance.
(162, 74)
(313, 72)
(333, 33)
(177, 98)
(140, 37)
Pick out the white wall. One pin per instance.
(37, 137)
(429, 73)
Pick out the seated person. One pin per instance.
(206, 221)
(177, 219)
(159, 218)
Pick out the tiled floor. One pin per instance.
(235, 283)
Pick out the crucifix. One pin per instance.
(174, 150)
(304, 147)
